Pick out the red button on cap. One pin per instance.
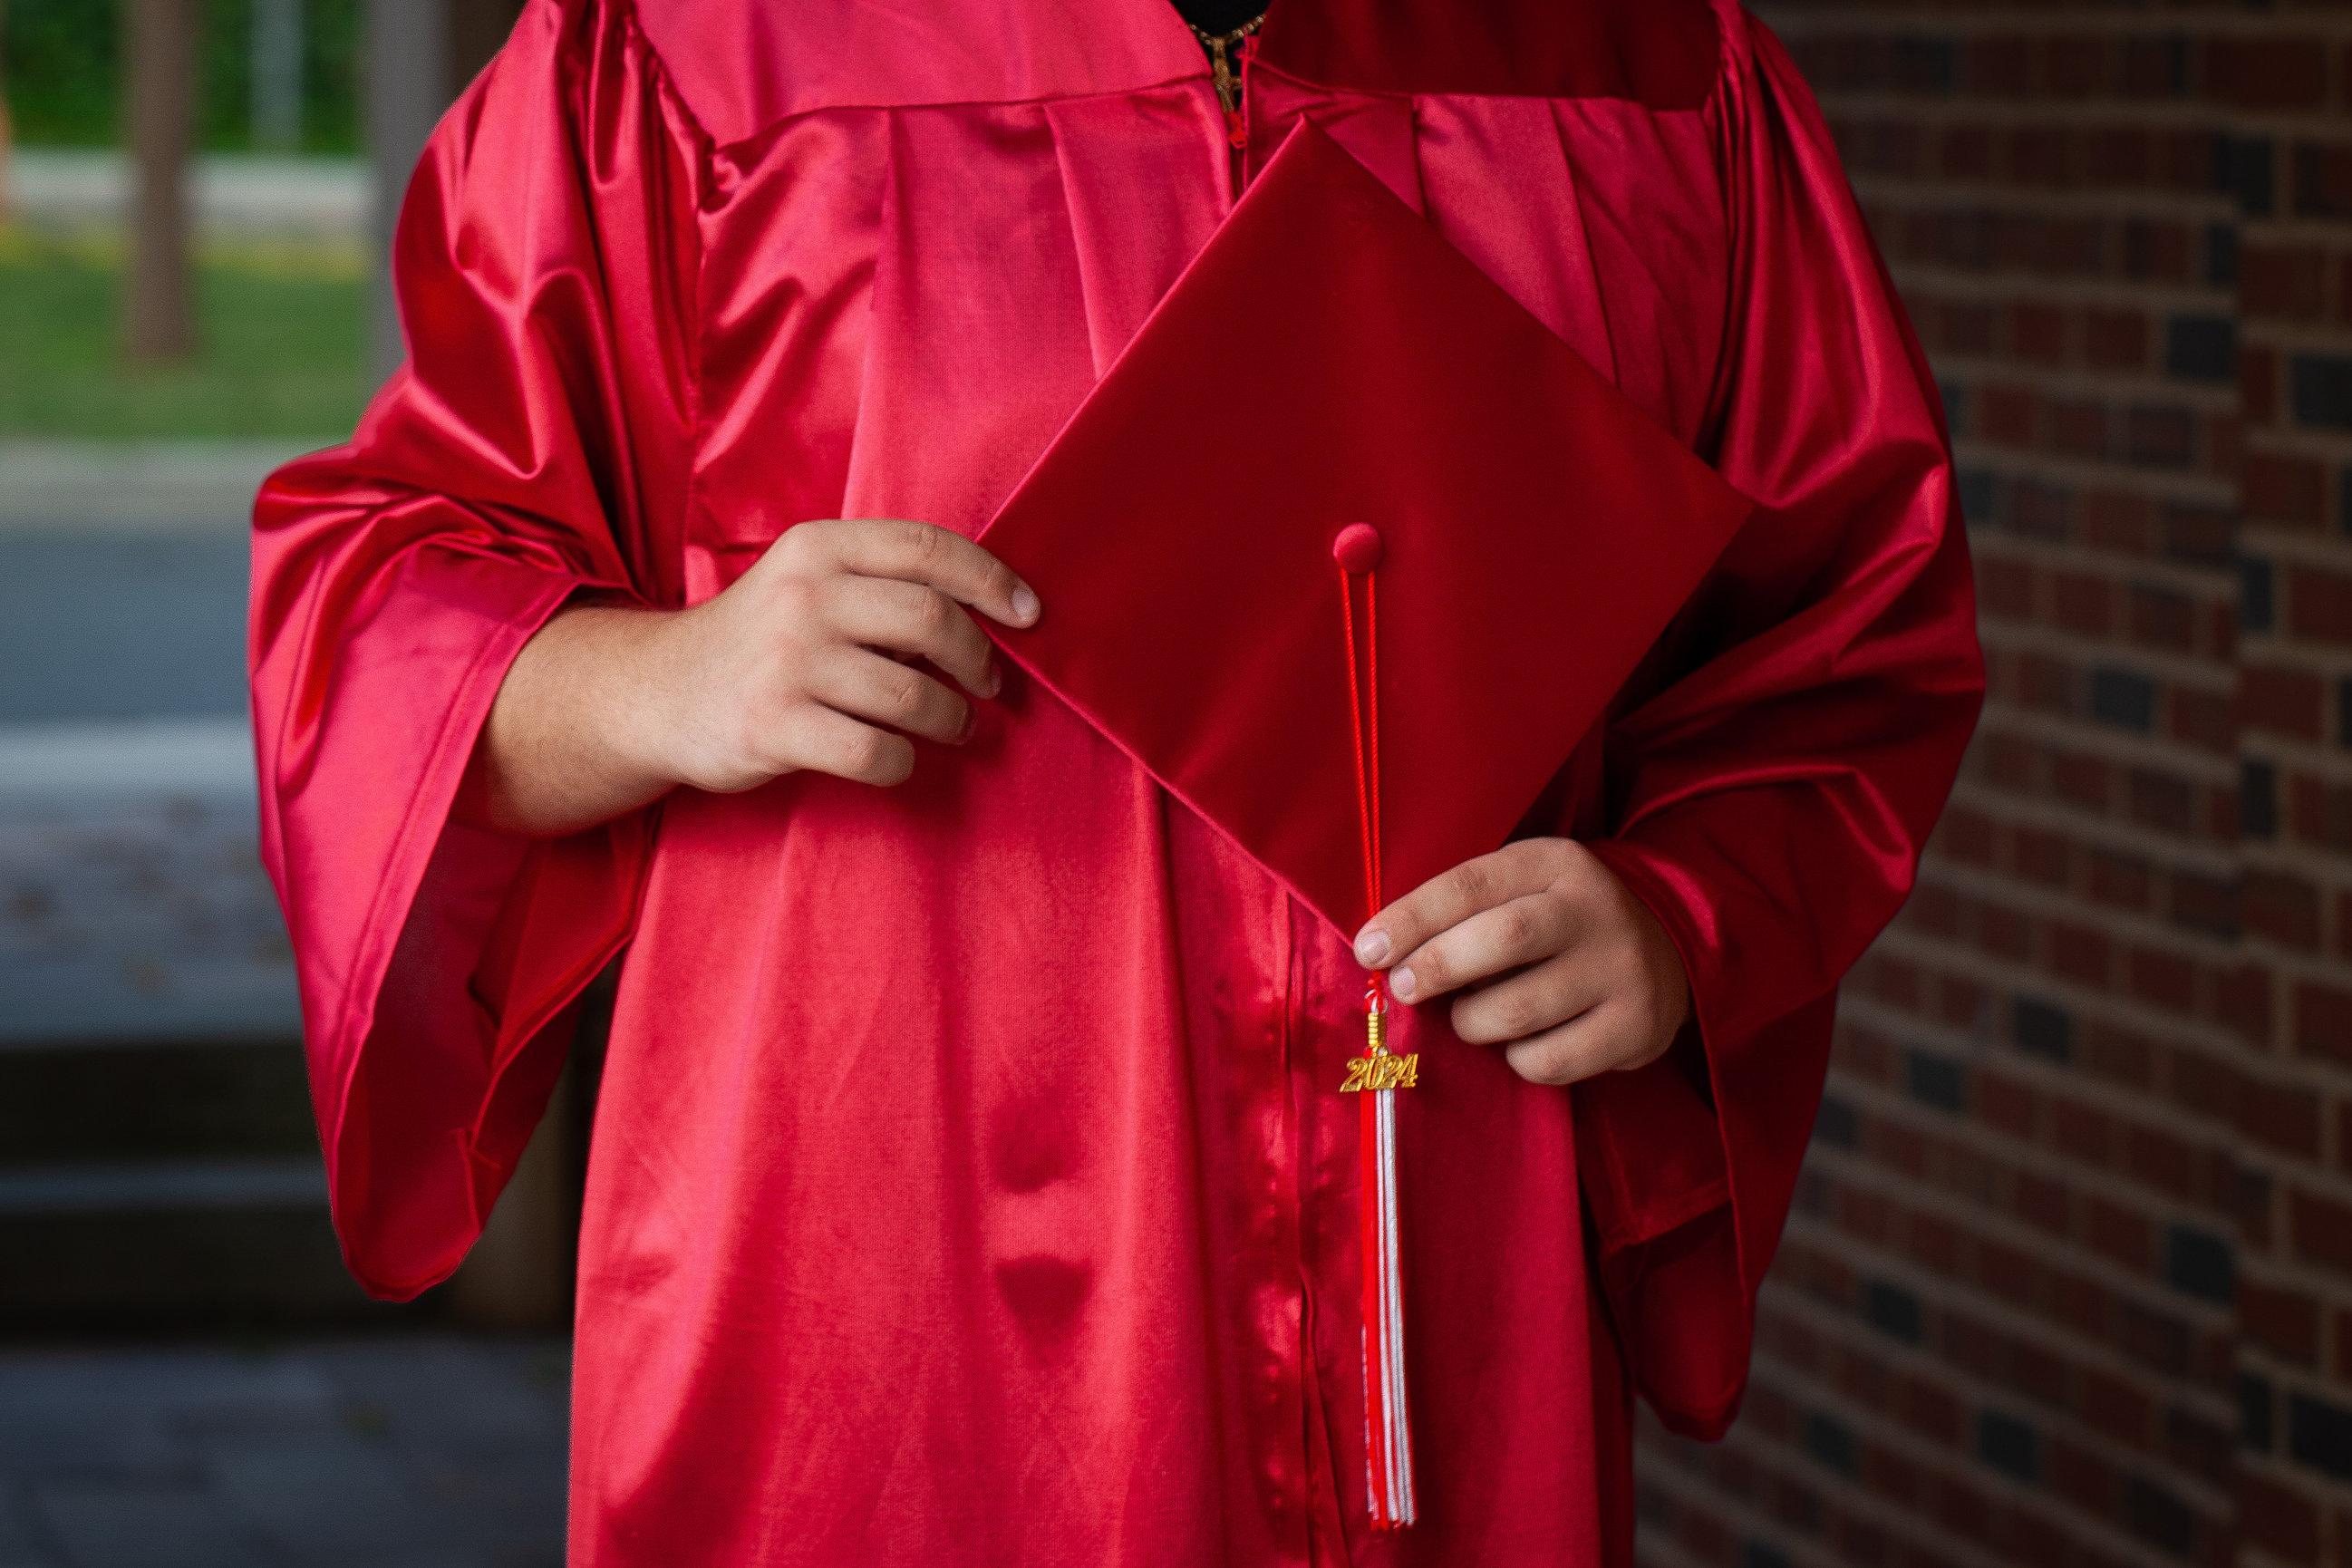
(1358, 548)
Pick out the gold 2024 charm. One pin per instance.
(1379, 1069)
(1382, 1072)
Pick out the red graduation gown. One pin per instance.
(968, 1183)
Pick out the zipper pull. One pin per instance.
(1236, 120)
(1221, 71)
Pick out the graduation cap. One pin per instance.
(1348, 550)
(1329, 363)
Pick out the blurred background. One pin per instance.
(2070, 1278)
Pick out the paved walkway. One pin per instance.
(233, 194)
(385, 1453)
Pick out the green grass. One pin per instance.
(280, 336)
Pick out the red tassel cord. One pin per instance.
(1377, 1075)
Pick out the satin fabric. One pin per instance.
(968, 1183)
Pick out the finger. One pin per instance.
(882, 612)
(1599, 1040)
(816, 737)
(1525, 930)
(884, 692)
(935, 557)
(1511, 872)
(1543, 997)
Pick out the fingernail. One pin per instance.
(1401, 982)
(1371, 946)
(995, 682)
(970, 723)
(1024, 604)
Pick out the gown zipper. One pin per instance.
(1232, 86)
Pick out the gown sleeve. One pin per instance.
(533, 448)
(1769, 801)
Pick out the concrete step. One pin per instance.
(203, 1245)
(216, 1100)
(166, 1186)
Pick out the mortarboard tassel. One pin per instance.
(1377, 1075)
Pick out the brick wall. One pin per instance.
(2070, 1277)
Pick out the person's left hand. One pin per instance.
(1591, 982)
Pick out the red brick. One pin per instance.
(2084, 954)
(2283, 908)
(2007, 1272)
(2115, 1233)
(2081, 778)
(2162, 979)
(2001, 64)
(2267, 73)
(2037, 333)
(2077, 65)
(2005, 588)
(2323, 1021)
(1934, 908)
(1927, 1410)
(2119, 1056)
(2204, 719)
(1964, 152)
(2323, 180)
(2168, 1163)
(2241, 1001)
(2279, 1116)
(2080, 1479)
(2042, 1203)
(2258, 384)
(2283, 1320)
(2115, 340)
(2322, 1230)
(2079, 428)
(2004, 932)
(2004, 1102)
(1961, 1001)
(2120, 880)
(2029, 1537)
(2161, 618)
(2005, 415)
(2083, 603)
(2319, 605)
(2185, 159)
(2281, 281)
(2204, 904)
(2277, 1519)
(2040, 155)
(2082, 1132)
(2117, 155)
(2162, 801)
(2312, 809)
(2225, 444)
(2082, 1304)
(2282, 700)
(2279, 488)
(1966, 834)
(2110, 1405)
(1970, 328)
(2153, 66)
(2119, 520)
(1934, 1243)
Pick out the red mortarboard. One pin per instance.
(1328, 361)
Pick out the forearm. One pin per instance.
(565, 746)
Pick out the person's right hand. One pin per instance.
(780, 671)
(791, 666)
